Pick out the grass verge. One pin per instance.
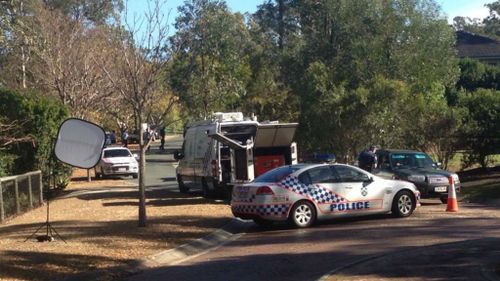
(482, 193)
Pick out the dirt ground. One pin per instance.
(99, 225)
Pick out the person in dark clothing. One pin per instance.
(112, 137)
(162, 138)
(367, 159)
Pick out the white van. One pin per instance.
(230, 149)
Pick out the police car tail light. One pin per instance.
(264, 190)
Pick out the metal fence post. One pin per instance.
(30, 192)
(2, 211)
(18, 204)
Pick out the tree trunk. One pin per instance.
(142, 174)
(281, 24)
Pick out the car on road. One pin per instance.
(304, 193)
(416, 167)
(117, 161)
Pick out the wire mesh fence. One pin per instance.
(20, 193)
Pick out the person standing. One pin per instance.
(125, 138)
(112, 137)
(367, 159)
(162, 138)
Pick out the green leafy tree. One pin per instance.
(210, 68)
(268, 95)
(492, 21)
(489, 26)
(357, 53)
(94, 11)
(481, 130)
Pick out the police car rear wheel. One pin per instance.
(403, 204)
(303, 214)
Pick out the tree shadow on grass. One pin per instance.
(160, 229)
(156, 197)
(23, 265)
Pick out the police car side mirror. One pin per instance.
(178, 155)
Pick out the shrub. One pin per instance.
(40, 118)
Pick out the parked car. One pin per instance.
(304, 193)
(416, 167)
(117, 161)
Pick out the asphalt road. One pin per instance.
(431, 244)
(160, 165)
(356, 248)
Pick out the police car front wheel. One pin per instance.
(303, 214)
(403, 204)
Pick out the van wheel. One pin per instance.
(182, 187)
(207, 193)
(444, 199)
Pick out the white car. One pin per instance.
(304, 193)
(117, 161)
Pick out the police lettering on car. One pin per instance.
(349, 206)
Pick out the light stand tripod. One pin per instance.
(49, 228)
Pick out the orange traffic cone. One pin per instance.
(452, 197)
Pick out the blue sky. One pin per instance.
(450, 8)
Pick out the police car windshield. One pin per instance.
(411, 160)
(278, 174)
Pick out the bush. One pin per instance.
(40, 118)
(480, 133)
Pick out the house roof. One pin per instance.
(477, 46)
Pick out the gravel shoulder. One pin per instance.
(98, 220)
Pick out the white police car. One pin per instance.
(304, 193)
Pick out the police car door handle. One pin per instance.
(348, 187)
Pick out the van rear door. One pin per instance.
(275, 135)
(274, 146)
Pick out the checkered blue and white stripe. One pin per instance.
(263, 210)
(316, 192)
(249, 200)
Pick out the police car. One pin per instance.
(304, 193)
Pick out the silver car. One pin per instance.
(117, 161)
(304, 193)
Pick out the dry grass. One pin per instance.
(100, 228)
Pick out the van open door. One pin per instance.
(275, 135)
(242, 167)
(274, 146)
